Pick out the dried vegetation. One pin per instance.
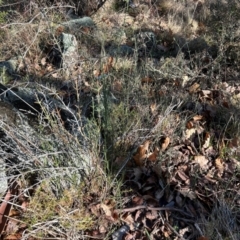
(157, 84)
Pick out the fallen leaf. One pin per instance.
(54, 75)
(138, 215)
(103, 228)
(165, 143)
(96, 73)
(95, 209)
(153, 108)
(12, 226)
(37, 67)
(141, 154)
(206, 143)
(108, 206)
(194, 88)
(153, 156)
(49, 68)
(186, 192)
(191, 150)
(44, 61)
(181, 176)
(190, 133)
(189, 125)
(152, 215)
(137, 200)
(197, 118)
(128, 218)
(206, 93)
(184, 230)
(219, 165)
(201, 160)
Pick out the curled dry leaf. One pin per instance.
(197, 118)
(165, 143)
(181, 176)
(190, 133)
(219, 165)
(141, 154)
(153, 156)
(189, 125)
(206, 142)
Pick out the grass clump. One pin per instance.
(68, 212)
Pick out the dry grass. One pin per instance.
(134, 99)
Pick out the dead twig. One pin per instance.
(132, 209)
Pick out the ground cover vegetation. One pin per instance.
(134, 134)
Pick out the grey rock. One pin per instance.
(233, 54)
(61, 156)
(10, 65)
(196, 45)
(119, 234)
(3, 179)
(7, 70)
(145, 39)
(77, 24)
(120, 50)
(65, 54)
(69, 50)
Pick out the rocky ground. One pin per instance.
(120, 120)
